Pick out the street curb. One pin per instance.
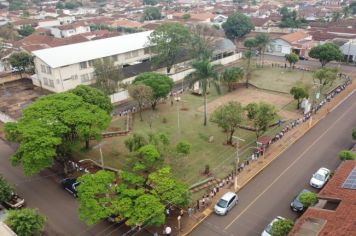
(267, 164)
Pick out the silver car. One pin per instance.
(226, 203)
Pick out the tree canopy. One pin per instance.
(347, 155)
(150, 2)
(21, 61)
(325, 77)
(289, 18)
(152, 13)
(142, 94)
(228, 117)
(237, 26)
(168, 42)
(160, 84)
(282, 227)
(262, 40)
(25, 222)
(292, 58)
(250, 44)
(231, 76)
(107, 75)
(5, 190)
(50, 126)
(326, 53)
(298, 94)
(26, 30)
(204, 73)
(308, 199)
(262, 116)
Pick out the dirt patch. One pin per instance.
(246, 96)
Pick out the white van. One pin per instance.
(226, 203)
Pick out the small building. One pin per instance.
(297, 42)
(64, 31)
(349, 50)
(335, 212)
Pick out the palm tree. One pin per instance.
(262, 41)
(231, 76)
(249, 44)
(204, 74)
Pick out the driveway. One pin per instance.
(270, 193)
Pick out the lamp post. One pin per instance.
(237, 160)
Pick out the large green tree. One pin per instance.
(107, 75)
(204, 73)
(152, 13)
(160, 84)
(298, 94)
(282, 227)
(202, 41)
(168, 42)
(326, 53)
(325, 77)
(168, 189)
(5, 190)
(228, 117)
(26, 30)
(93, 96)
(21, 61)
(261, 115)
(25, 222)
(231, 76)
(237, 26)
(50, 126)
(250, 44)
(289, 18)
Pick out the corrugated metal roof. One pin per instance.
(86, 51)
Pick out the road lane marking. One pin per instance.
(297, 159)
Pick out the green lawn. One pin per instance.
(218, 156)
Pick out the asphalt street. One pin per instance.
(44, 192)
(269, 194)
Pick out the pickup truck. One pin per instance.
(15, 202)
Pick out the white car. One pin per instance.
(226, 203)
(268, 229)
(320, 177)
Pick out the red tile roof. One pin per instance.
(296, 36)
(342, 220)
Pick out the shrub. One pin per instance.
(347, 155)
(25, 222)
(282, 227)
(183, 147)
(308, 199)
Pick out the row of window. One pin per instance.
(87, 77)
(88, 64)
(46, 69)
(48, 82)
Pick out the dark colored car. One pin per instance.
(303, 58)
(296, 205)
(70, 184)
(116, 219)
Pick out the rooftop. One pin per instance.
(296, 36)
(79, 52)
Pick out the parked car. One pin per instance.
(226, 203)
(296, 205)
(70, 184)
(268, 229)
(15, 202)
(303, 58)
(320, 177)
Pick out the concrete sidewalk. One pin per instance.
(188, 224)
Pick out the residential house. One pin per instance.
(335, 212)
(62, 68)
(298, 42)
(219, 19)
(349, 50)
(124, 23)
(65, 19)
(48, 23)
(64, 31)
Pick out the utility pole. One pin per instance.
(237, 159)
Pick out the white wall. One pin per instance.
(280, 46)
